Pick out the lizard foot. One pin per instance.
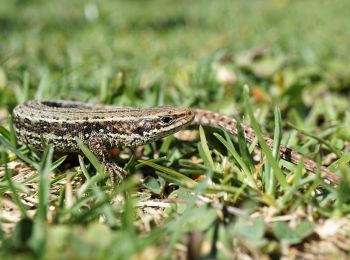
(98, 145)
(117, 173)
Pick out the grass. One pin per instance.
(201, 193)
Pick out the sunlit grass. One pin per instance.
(201, 193)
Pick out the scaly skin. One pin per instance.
(100, 127)
(103, 127)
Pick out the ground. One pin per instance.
(283, 64)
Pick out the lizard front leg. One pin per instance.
(100, 148)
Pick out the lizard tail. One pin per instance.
(215, 120)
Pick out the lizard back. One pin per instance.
(59, 123)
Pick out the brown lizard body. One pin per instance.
(102, 127)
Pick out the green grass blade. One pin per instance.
(127, 217)
(174, 174)
(155, 160)
(12, 187)
(38, 239)
(24, 158)
(171, 179)
(58, 162)
(91, 157)
(242, 144)
(106, 208)
(277, 170)
(293, 189)
(5, 133)
(81, 214)
(22, 92)
(166, 144)
(270, 178)
(206, 151)
(240, 161)
(44, 183)
(320, 139)
(342, 161)
(13, 138)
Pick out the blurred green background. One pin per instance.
(72, 49)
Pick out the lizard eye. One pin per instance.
(166, 119)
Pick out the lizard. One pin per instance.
(103, 127)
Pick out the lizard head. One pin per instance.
(159, 122)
